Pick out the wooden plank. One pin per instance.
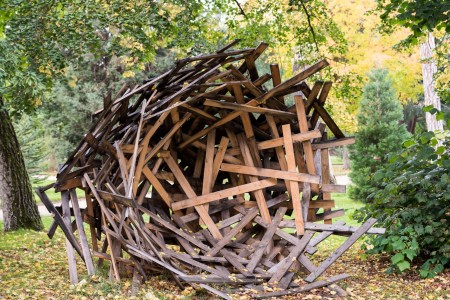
(296, 138)
(219, 123)
(325, 166)
(145, 145)
(302, 289)
(311, 95)
(218, 159)
(232, 280)
(217, 55)
(81, 233)
(295, 79)
(150, 258)
(288, 175)
(181, 92)
(224, 194)
(188, 260)
(308, 214)
(276, 78)
(303, 124)
(250, 109)
(279, 149)
(227, 238)
(255, 54)
(334, 143)
(283, 266)
(262, 246)
(201, 210)
(305, 262)
(69, 248)
(230, 257)
(199, 164)
(321, 204)
(321, 101)
(174, 229)
(213, 209)
(328, 120)
(327, 215)
(122, 164)
(157, 185)
(323, 235)
(227, 157)
(283, 234)
(69, 184)
(341, 229)
(167, 137)
(132, 178)
(339, 251)
(258, 194)
(59, 220)
(90, 215)
(129, 202)
(295, 191)
(333, 188)
(208, 165)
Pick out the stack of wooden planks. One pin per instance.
(213, 172)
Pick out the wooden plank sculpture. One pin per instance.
(200, 171)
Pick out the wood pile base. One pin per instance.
(212, 172)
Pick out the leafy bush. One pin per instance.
(412, 200)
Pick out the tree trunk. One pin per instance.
(429, 69)
(16, 195)
(345, 158)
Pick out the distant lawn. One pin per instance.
(343, 201)
(336, 160)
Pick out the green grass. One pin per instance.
(343, 201)
(336, 160)
(46, 220)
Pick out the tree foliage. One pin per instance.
(80, 93)
(48, 35)
(419, 16)
(32, 137)
(412, 200)
(379, 132)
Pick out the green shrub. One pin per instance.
(412, 200)
(379, 132)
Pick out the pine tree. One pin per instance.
(379, 132)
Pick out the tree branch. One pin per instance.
(240, 8)
(311, 28)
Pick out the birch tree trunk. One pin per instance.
(16, 195)
(429, 69)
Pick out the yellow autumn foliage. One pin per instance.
(128, 74)
(368, 48)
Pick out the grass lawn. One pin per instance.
(35, 267)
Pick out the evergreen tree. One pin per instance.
(379, 132)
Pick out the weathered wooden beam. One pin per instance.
(224, 194)
(288, 175)
(339, 251)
